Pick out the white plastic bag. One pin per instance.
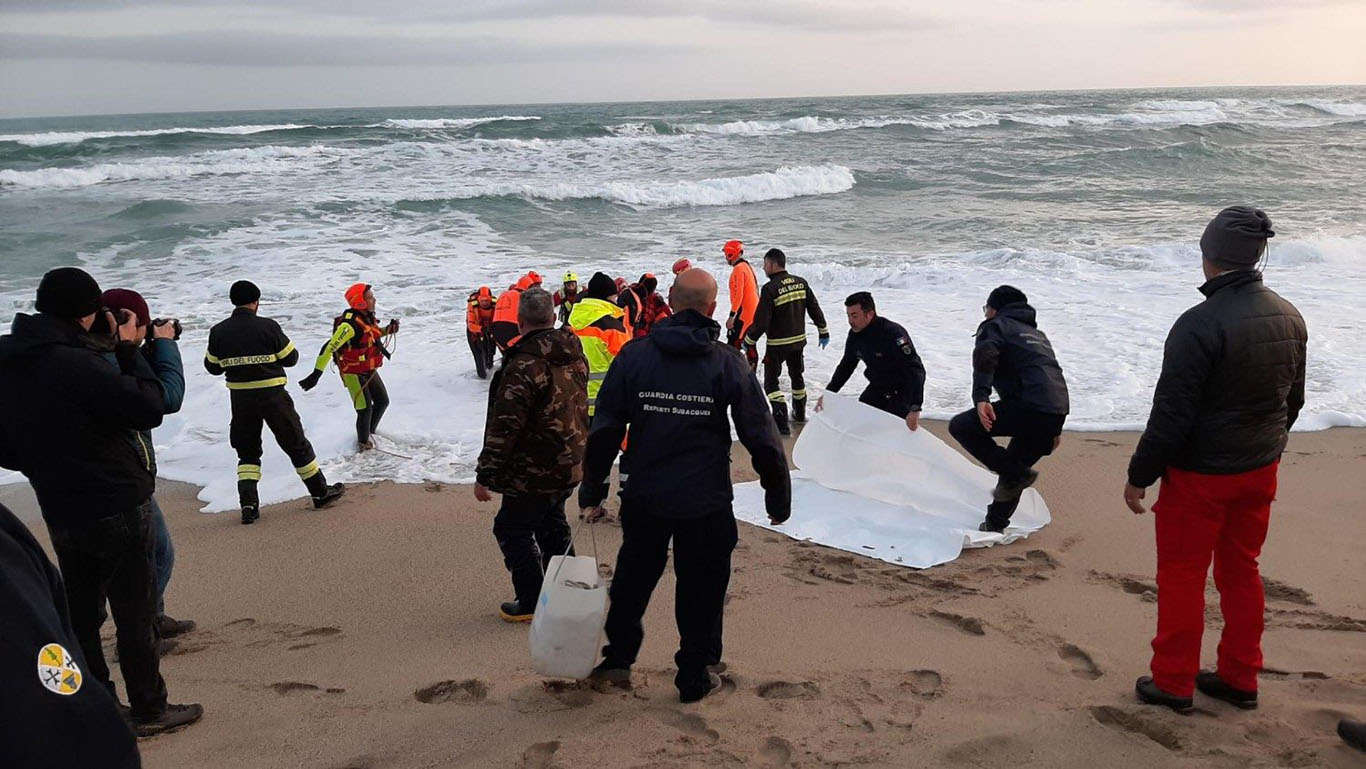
(566, 631)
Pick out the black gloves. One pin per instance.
(311, 381)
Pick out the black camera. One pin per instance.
(101, 324)
(175, 322)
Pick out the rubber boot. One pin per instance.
(799, 410)
(780, 416)
(323, 494)
(251, 504)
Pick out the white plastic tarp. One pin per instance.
(868, 485)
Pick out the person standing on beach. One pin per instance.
(601, 328)
(534, 438)
(673, 391)
(783, 306)
(479, 330)
(252, 353)
(1232, 384)
(163, 354)
(357, 345)
(1016, 359)
(65, 424)
(744, 298)
(36, 626)
(505, 310)
(896, 377)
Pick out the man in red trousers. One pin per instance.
(1232, 384)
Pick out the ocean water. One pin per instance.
(1091, 202)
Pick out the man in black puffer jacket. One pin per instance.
(1232, 385)
(678, 390)
(1013, 356)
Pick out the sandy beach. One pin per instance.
(365, 637)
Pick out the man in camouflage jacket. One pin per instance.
(534, 439)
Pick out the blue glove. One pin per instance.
(824, 341)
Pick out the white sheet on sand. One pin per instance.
(868, 485)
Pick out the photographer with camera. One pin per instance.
(163, 355)
(65, 419)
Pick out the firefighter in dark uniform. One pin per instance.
(896, 377)
(784, 303)
(252, 353)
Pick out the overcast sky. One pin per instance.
(101, 56)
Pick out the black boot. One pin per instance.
(168, 627)
(172, 718)
(250, 514)
(1211, 685)
(514, 611)
(1149, 694)
(780, 416)
(1353, 733)
(798, 410)
(251, 504)
(323, 494)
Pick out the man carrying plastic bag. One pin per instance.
(674, 389)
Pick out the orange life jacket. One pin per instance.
(363, 353)
(478, 319)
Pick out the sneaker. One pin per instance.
(1353, 733)
(332, 494)
(1008, 490)
(514, 611)
(250, 514)
(990, 527)
(686, 696)
(1149, 694)
(1211, 685)
(170, 628)
(172, 718)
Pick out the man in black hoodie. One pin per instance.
(1014, 357)
(677, 391)
(54, 717)
(65, 425)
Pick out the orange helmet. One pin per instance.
(355, 295)
(733, 250)
(483, 293)
(535, 277)
(682, 265)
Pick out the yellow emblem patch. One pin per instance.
(57, 670)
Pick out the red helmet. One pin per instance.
(733, 250)
(355, 295)
(681, 265)
(535, 278)
(621, 284)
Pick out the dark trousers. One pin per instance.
(270, 407)
(736, 338)
(774, 359)
(482, 348)
(886, 399)
(1031, 436)
(702, 552)
(503, 332)
(530, 530)
(370, 399)
(163, 555)
(110, 559)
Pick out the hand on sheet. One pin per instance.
(986, 414)
(913, 420)
(1133, 497)
(820, 404)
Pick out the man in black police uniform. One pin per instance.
(252, 353)
(896, 377)
(674, 389)
(784, 303)
(1013, 356)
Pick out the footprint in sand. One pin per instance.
(467, 692)
(540, 755)
(969, 625)
(925, 683)
(1135, 723)
(1082, 664)
(775, 752)
(552, 696)
(690, 724)
(1279, 591)
(788, 690)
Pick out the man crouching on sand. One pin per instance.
(534, 439)
(1232, 384)
(673, 389)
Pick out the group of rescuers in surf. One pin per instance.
(589, 373)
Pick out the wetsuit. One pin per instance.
(896, 377)
(356, 347)
(252, 353)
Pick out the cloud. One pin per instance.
(273, 49)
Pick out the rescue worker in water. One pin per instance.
(357, 347)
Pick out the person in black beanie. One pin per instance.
(1016, 359)
(1232, 384)
(252, 354)
(65, 423)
